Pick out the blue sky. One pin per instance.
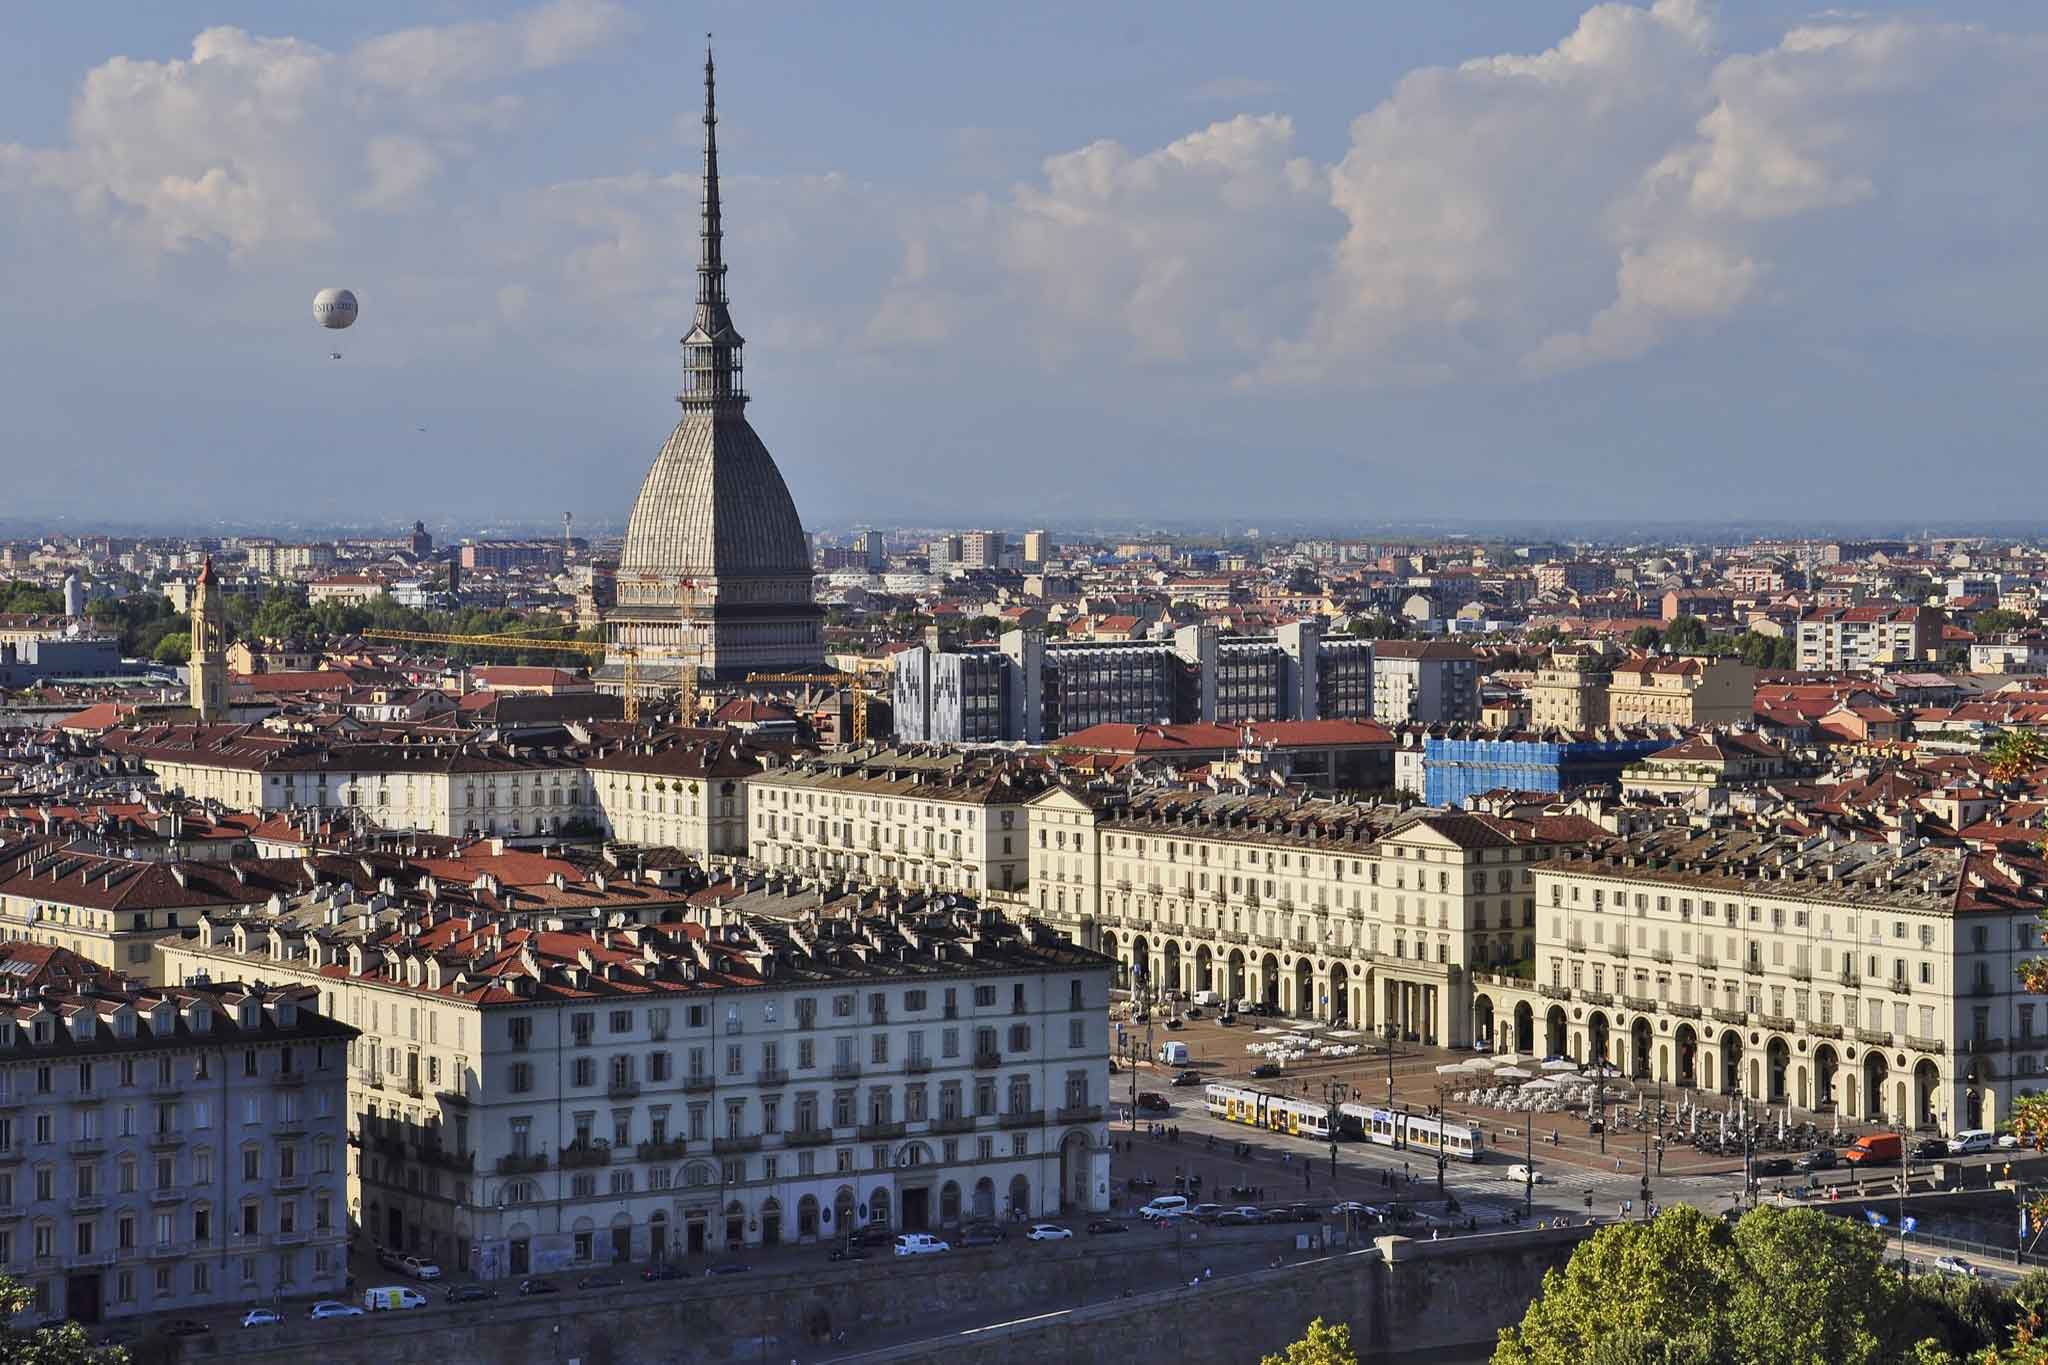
(1050, 262)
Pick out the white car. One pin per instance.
(333, 1308)
(261, 1317)
(919, 1244)
(1527, 1175)
(1955, 1265)
(1049, 1232)
(419, 1269)
(1165, 1206)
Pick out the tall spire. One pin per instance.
(711, 352)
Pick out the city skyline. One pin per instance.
(1766, 259)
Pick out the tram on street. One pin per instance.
(1392, 1128)
(1275, 1113)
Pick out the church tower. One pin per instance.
(209, 663)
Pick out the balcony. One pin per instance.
(1554, 992)
(1269, 941)
(287, 1184)
(1777, 1023)
(1934, 1045)
(1642, 1003)
(1617, 950)
(87, 1146)
(1683, 1011)
(1825, 1030)
(165, 1142)
(167, 1194)
(166, 1090)
(1722, 1016)
(574, 1156)
(446, 1159)
(1081, 1113)
(874, 1132)
(1849, 979)
(523, 1165)
(958, 1123)
(88, 1203)
(1660, 955)
(1980, 1045)
(12, 1213)
(1707, 962)
(1802, 973)
(10, 1156)
(296, 1237)
(845, 1071)
(771, 1076)
(878, 1017)
(168, 1251)
(1901, 986)
(731, 1146)
(581, 1040)
(987, 1061)
(808, 1137)
(1985, 988)
(1597, 998)
(1752, 968)
(917, 1066)
(1575, 944)
(1023, 1118)
(622, 1090)
(290, 1078)
(670, 1150)
(1875, 1037)
(697, 1081)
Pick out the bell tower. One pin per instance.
(209, 662)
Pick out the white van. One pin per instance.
(1165, 1206)
(1207, 998)
(1971, 1141)
(1174, 1054)
(392, 1296)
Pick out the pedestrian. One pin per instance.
(1617, 1165)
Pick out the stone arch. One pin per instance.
(1482, 1019)
(1639, 1049)
(1554, 1039)
(1205, 968)
(1777, 1062)
(984, 1198)
(1141, 966)
(1169, 978)
(1686, 1044)
(1234, 988)
(1926, 1087)
(878, 1207)
(1269, 980)
(1020, 1196)
(843, 1216)
(1826, 1066)
(1597, 1038)
(949, 1203)
(1525, 1027)
(806, 1218)
(1306, 1006)
(1875, 1072)
(1730, 1055)
(1076, 1171)
(1340, 993)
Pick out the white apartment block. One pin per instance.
(1429, 682)
(171, 1149)
(529, 1099)
(677, 793)
(1876, 979)
(1319, 909)
(932, 821)
(1866, 637)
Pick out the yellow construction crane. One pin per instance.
(850, 682)
(595, 650)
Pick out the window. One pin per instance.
(622, 1021)
(522, 1078)
(583, 1072)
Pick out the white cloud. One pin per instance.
(428, 60)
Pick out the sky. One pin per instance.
(1057, 262)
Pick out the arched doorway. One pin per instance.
(1596, 1037)
(622, 1238)
(1688, 1047)
(1141, 966)
(1731, 1062)
(1074, 1172)
(1169, 980)
(806, 1218)
(1482, 1021)
(1235, 992)
(657, 1234)
(1825, 1064)
(878, 1207)
(771, 1223)
(949, 1203)
(1306, 1006)
(1204, 966)
(1639, 1049)
(1926, 1085)
(1525, 1028)
(1553, 1032)
(1107, 942)
(1777, 1058)
(1340, 993)
(735, 1224)
(842, 1211)
(1874, 1074)
(1020, 1196)
(984, 1198)
(1269, 981)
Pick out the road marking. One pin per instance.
(1018, 1322)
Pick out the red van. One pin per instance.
(1874, 1149)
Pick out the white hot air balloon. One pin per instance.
(334, 308)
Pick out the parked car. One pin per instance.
(471, 1293)
(1525, 1174)
(851, 1251)
(599, 1282)
(333, 1308)
(1152, 1102)
(981, 1235)
(261, 1317)
(664, 1271)
(874, 1235)
(419, 1269)
(1351, 1206)
(388, 1259)
(1819, 1159)
(1955, 1265)
(1188, 1077)
(391, 1298)
(729, 1268)
(1972, 1141)
(539, 1286)
(1930, 1149)
(1205, 1213)
(1265, 1070)
(1106, 1227)
(1048, 1232)
(919, 1244)
(191, 1327)
(1775, 1165)
(1295, 1213)
(1244, 1215)
(1174, 1023)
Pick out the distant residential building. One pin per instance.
(504, 556)
(1570, 691)
(347, 589)
(1574, 576)
(1705, 764)
(1867, 637)
(1686, 692)
(1037, 548)
(1430, 682)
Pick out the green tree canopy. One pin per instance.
(1323, 1344)
(1997, 621)
(175, 650)
(1687, 634)
(16, 595)
(63, 1343)
(1646, 637)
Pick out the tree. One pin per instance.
(1781, 1287)
(1323, 1344)
(2017, 753)
(1645, 637)
(63, 1343)
(1997, 621)
(175, 650)
(1687, 634)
